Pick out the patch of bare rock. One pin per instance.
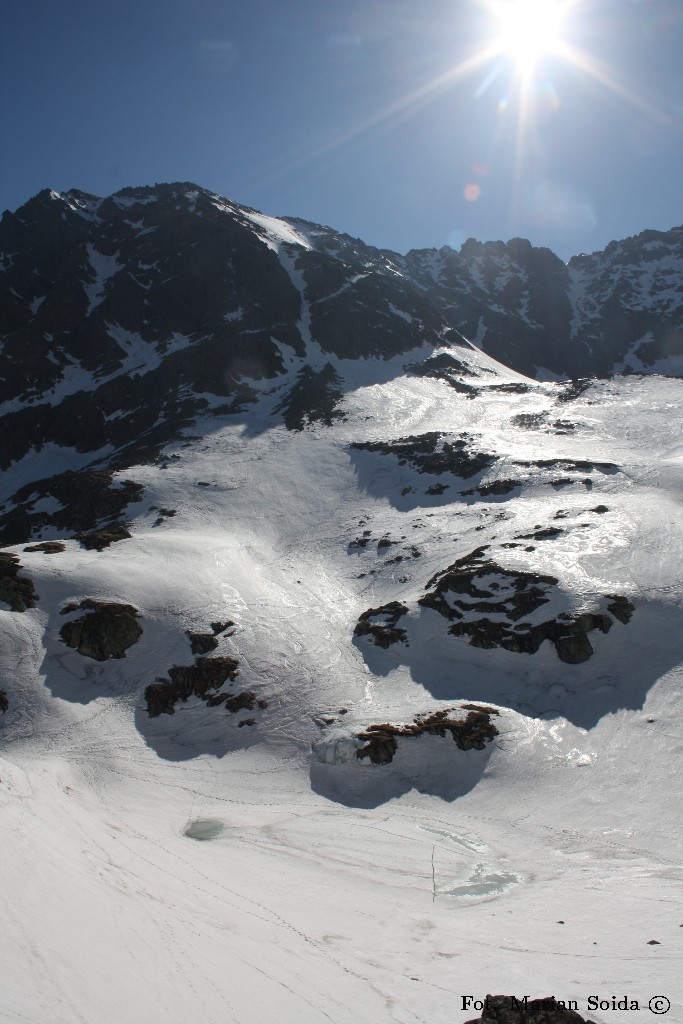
(202, 643)
(475, 587)
(473, 732)
(432, 453)
(87, 501)
(203, 680)
(379, 624)
(98, 540)
(16, 591)
(106, 631)
(313, 398)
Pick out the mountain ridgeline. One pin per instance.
(77, 272)
(122, 319)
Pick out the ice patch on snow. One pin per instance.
(469, 844)
(205, 829)
(337, 747)
(483, 884)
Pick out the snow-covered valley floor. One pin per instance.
(189, 868)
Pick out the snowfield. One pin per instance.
(188, 867)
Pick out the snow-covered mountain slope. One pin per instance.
(351, 720)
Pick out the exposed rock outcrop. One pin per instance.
(85, 501)
(568, 633)
(98, 540)
(107, 631)
(430, 453)
(485, 589)
(221, 627)
(16, 591)
(202, 643)
(379, 624)
(512, 592)
(443, 366)
(620, 607)
(201, 680)
(47, 547)
(496, 487)
(473, 732)
(313, 398)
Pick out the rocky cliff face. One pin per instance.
(613, 311)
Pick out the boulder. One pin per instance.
(202, 643)
(107, 631)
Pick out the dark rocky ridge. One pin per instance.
(175, 260)
(587, 318)
(124, 319)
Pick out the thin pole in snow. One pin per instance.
(433, 877)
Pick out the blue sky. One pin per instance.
(354, 114)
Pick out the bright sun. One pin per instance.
(527, 29)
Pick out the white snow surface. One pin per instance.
(104, 267)
(276, 232)
(184, 868)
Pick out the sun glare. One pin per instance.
(528, 29)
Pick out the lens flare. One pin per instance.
(527, 29)
(521, 32)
